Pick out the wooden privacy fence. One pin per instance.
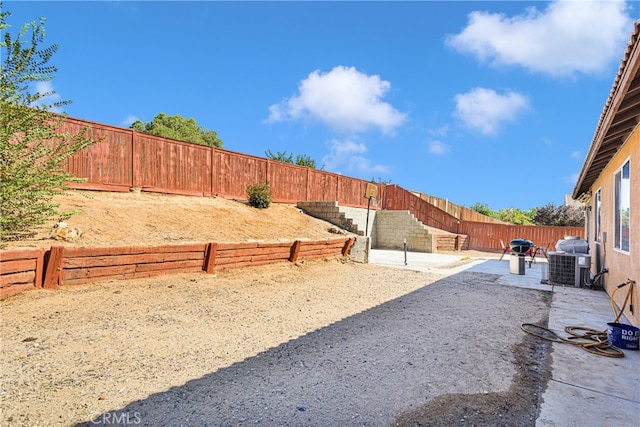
(457, 211)
(487, 236)
(59, 266)
(398, 199)
(476, 235)
(125, 159)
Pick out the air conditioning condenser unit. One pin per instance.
(569, 269)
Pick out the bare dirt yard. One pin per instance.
(323, 343)
(121, 219)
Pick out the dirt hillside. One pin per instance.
(121, 219)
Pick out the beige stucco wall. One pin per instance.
(621, 265)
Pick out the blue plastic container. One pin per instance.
(623, 336)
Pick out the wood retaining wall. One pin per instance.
(59, 266)
(20, 270)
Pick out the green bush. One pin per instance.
(259, 195)
(33, 147)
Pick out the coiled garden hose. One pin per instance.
(590, 340)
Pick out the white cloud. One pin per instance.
(438, 148)
(129, 120)
(349, 154)
(440, 132)
(49, 98)
(344, 99)
(566, 37)
(341, 152)
(486, 110)
(576, 155)
(363, 165)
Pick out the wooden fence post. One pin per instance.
(295, 250)
(214, 187)
(53, 272)
(136, 181)
(306, 195)
(347, 246)
(267, 177)
(39, 269)
(210, 258)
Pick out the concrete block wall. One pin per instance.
(358, 217)
(353, 220)
(393, 227)
(387, 229)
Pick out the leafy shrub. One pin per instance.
(259, 195)
(33, 148)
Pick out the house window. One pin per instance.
(597, 212)
(622, 200)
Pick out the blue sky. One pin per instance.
(475, 102)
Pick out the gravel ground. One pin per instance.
(324, 343)
(329, 343)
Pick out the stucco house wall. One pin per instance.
(616, 141)
(621, 265)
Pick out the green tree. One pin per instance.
(574, 216)
(560, 215)
(305, 160)
(280, 156)
(33, 151)
(515, 216)
(300, 160)
(177, 127)
(550, 214)
(511, 215)
(484, 209)
(381, 181)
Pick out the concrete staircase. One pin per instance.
(353, 220)
(387, 229)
